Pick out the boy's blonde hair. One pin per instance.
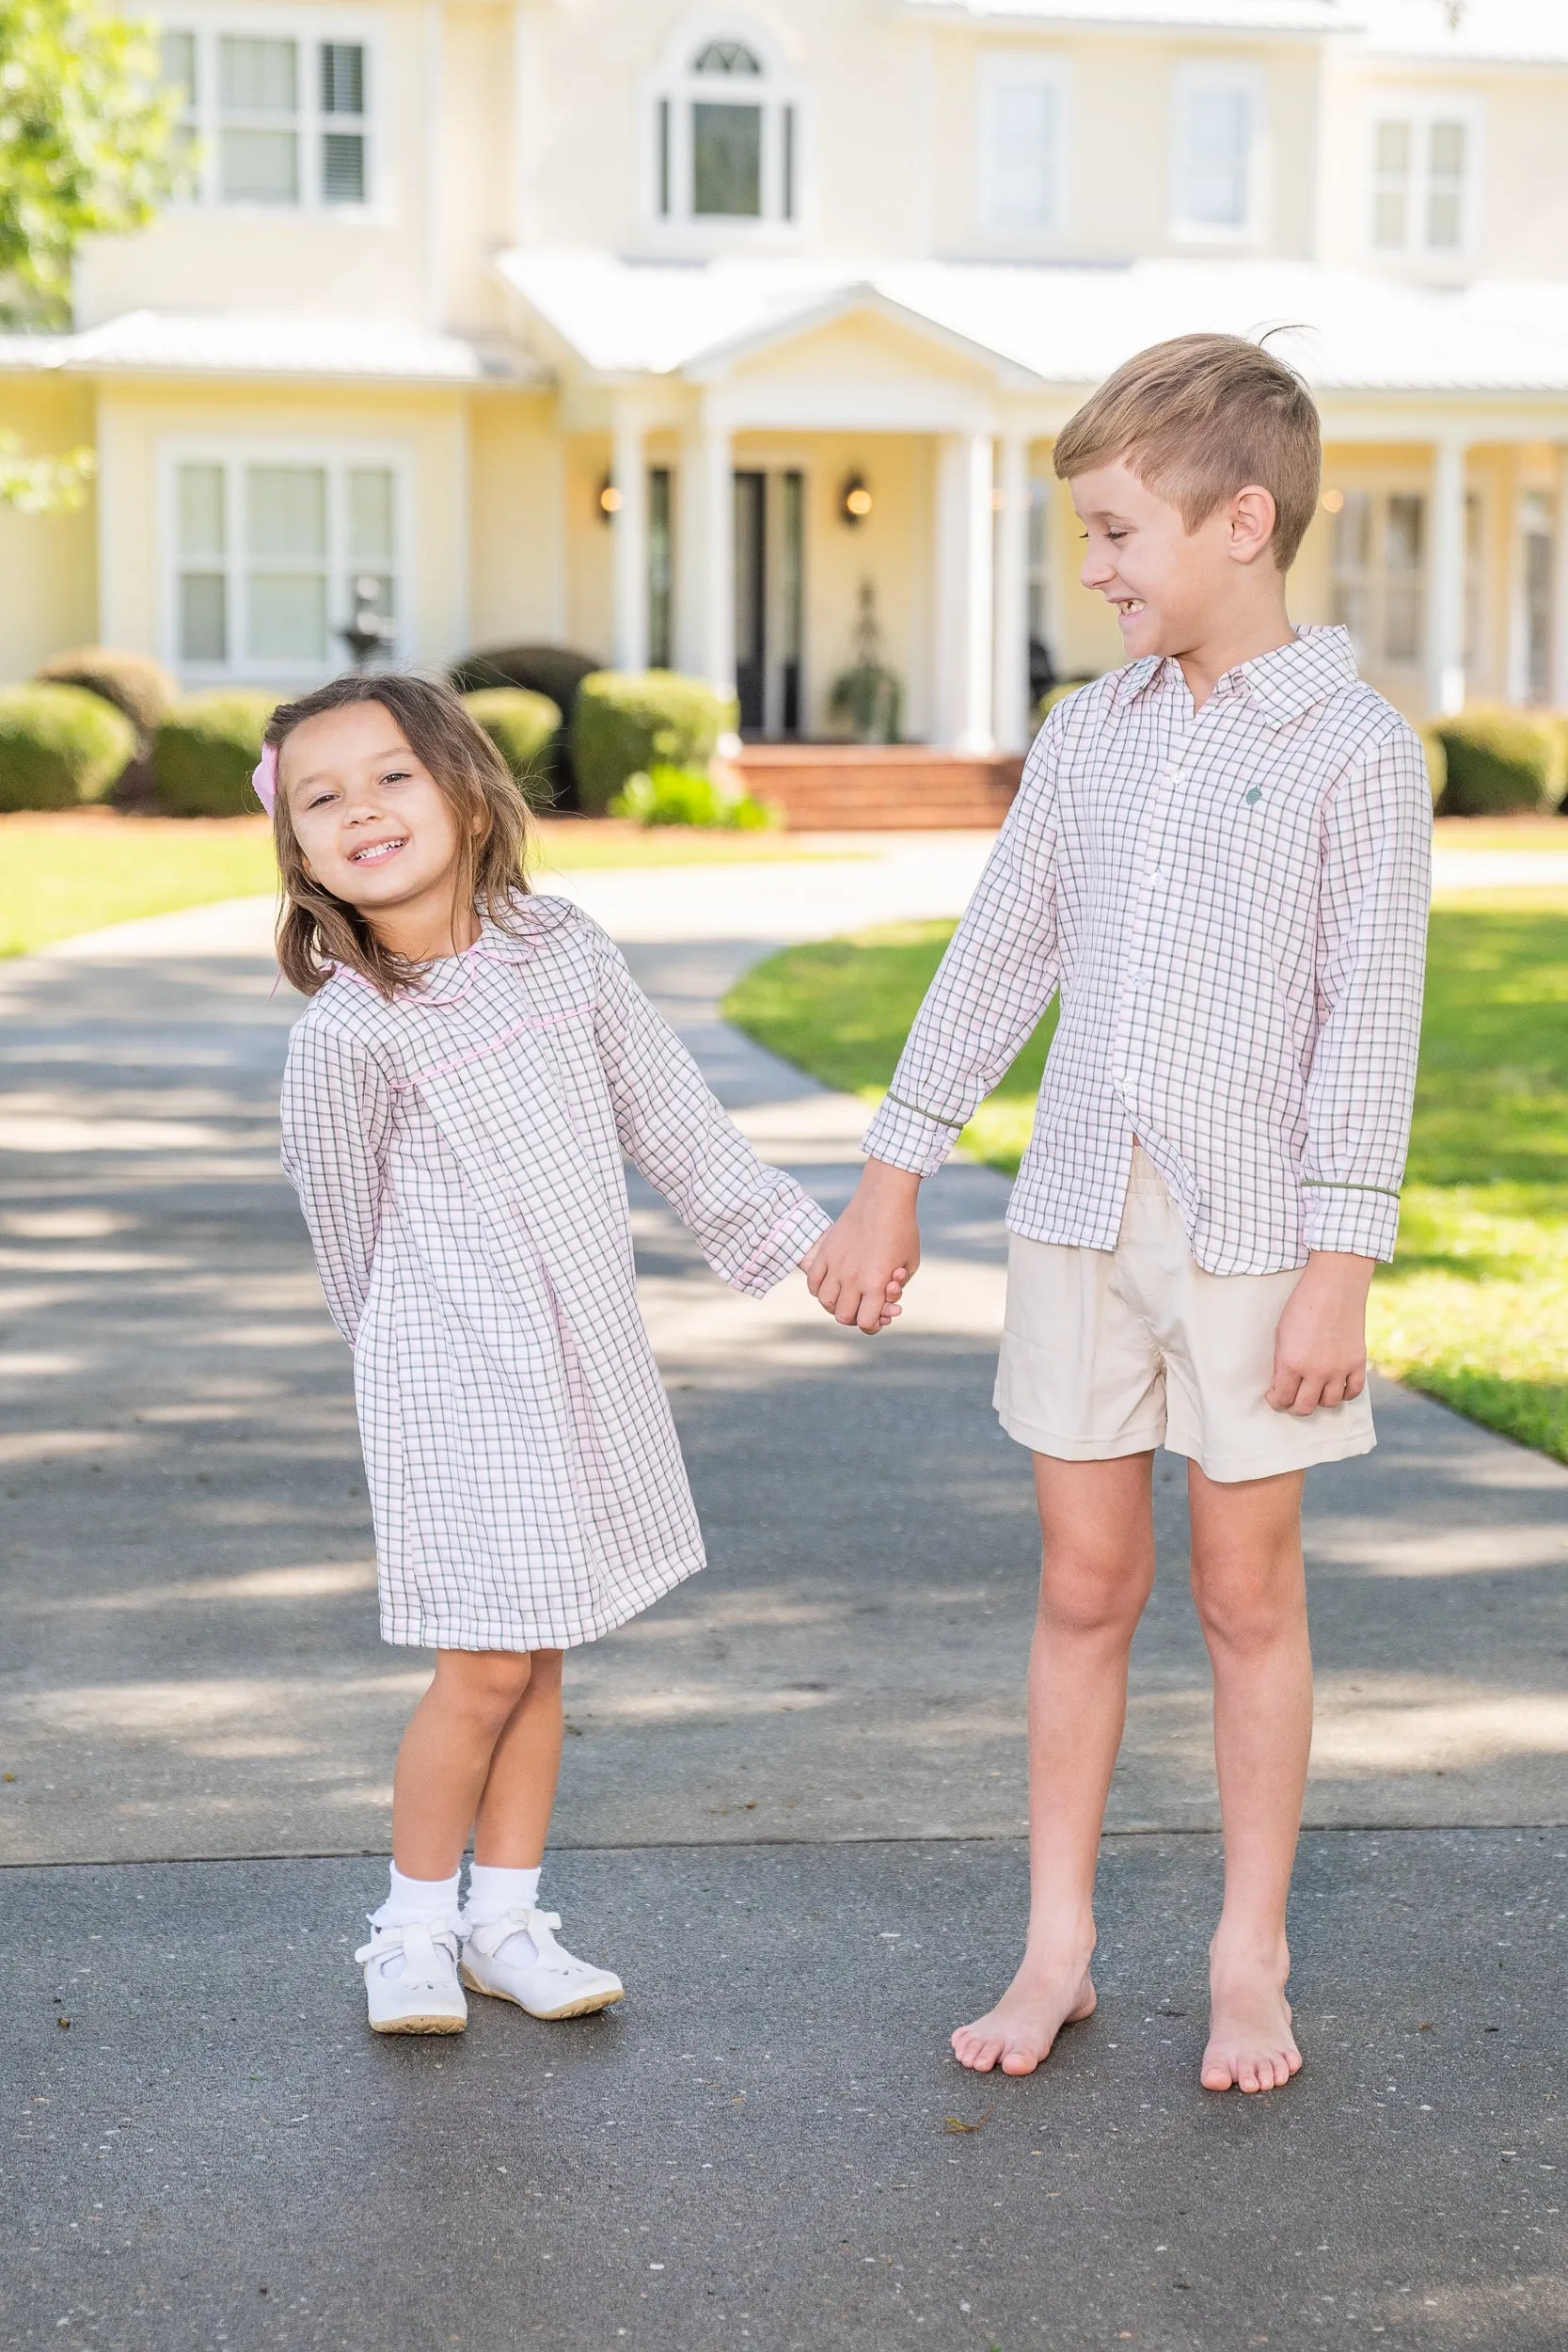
(318, 933)
(1198, 419)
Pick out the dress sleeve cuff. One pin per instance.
(909, 1138)
(1351, 1217)
(788, 1244)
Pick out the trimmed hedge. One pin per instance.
(1497, 761)
(554, 670)
(59, 746)
(624, 725)
(140, 687)
(523, 729)
(1437, 764)
(204, 750)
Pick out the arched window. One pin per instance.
(725, 135)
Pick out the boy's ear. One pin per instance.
(1253, 516)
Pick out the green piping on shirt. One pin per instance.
(953, 1126)
(1323, 1184)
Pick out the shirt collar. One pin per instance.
(1283, 684)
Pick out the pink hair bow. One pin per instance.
(263, 780)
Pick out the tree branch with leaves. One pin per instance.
(88, 145)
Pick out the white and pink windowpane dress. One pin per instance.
(458, 1154)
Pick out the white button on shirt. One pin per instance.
(1254, 1019)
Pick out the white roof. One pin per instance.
(253, 343)
(1469, 31)
(1499, 32)
(1058, 325)
(1247, 16)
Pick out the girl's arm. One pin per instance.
(336, 1116)
(753, 1222)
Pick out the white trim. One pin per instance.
(234, 454)
(776, 93)
(999, 69)
(1199, 77)
(311, 30)
(1422, 109)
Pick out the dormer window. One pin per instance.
(725, 140)
(1422, 177)
(1216, 138)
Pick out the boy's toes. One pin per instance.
(1019, 2058)
(977, 2051)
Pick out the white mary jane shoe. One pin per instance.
(411, 1980)
(553, 1984)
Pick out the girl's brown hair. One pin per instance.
(318, 933)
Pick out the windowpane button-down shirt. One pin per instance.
(1232, 902)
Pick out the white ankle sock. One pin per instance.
(492, 1893)
(415, 1902)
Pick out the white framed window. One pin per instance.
(276, 113)
(1378, 574)
(727, 133)
(273, 549)
(1217, 152)
(1022, 143)
(1423, 157)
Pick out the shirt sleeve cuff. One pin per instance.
(1351, 1217)
(905, 1138)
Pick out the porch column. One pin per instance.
(629, 474)
(964, 540)
(1012, 596)
(1559, 585)
(716, 526)
(1445, 616)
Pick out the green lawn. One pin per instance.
(60, 876)
(1475, 1310)
(63, 875)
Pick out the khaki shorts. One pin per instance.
(1109, 1352)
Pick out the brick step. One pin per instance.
(828, 788)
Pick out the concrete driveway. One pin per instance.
(791, 1803)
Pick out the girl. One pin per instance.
(471, 1067)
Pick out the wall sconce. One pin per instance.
(1333, 501)
(855, 501)
(608, 500)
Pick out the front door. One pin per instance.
(769, 511)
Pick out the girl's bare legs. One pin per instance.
(483, 1752)
(514, 1816)
(1250, 1587)
(1096, 1525)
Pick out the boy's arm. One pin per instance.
(990, 989)
(1377, 884)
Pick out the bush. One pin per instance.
(1502, 760)
(1052, 697)
(523, 729)
(204, 750)
(1437, 765)
(554, 670)
(59, 746)
(624, 727)
(140, 687)
(686, 796)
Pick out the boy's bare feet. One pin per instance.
(1045, 1995)
(1251, 2046)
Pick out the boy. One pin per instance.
(1220, 855)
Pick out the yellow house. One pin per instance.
(665, 331)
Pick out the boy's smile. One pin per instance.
(1210, 597)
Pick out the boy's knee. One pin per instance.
(1087, 1594)
(1244, 1611)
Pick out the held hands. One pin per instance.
(1320, 1349)
(859, 1268)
